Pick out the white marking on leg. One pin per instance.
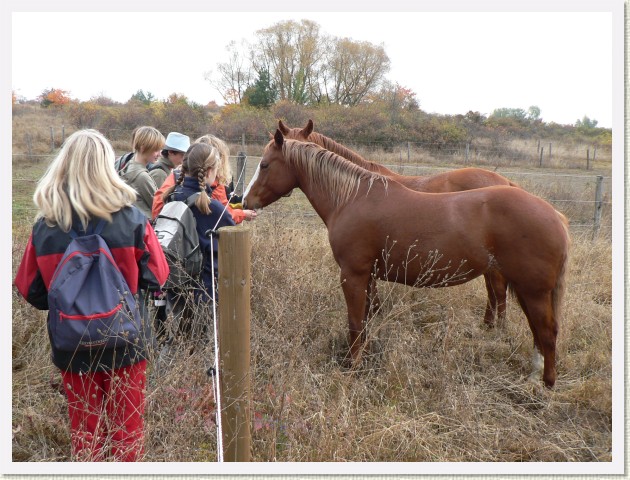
(538, 365)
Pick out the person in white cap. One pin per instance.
(173, 152)
(172, 156)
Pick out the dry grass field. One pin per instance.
(438, 386)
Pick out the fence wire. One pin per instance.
(572, 194)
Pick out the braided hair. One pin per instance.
(199, 158)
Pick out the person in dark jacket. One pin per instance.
(200, 167)
(105, 387)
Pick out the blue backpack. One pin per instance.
(90, 304)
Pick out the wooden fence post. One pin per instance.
(243, 141)
(52, 140)
(241, 165)
(542, 150)
(234, 341)
(467, 151)
(588, 159)
(599, 195)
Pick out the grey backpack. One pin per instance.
(176, 230)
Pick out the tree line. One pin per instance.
(295, 61)
(293, 71)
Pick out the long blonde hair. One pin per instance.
(82, 180)
(224, 173)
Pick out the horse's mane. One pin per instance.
(329, 144)
(329, 171)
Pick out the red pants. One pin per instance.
(106, 413)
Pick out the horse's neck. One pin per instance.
(351, 155)
(320, 200)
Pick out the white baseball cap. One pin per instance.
(177, 141)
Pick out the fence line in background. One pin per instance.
(241, 158)
(241, 161)
(463, 149)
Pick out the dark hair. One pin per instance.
(166, 150)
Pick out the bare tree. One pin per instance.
(234, 76)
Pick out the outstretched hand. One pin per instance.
(250, 214)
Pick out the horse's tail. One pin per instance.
(557, 294)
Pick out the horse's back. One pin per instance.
(462, 179)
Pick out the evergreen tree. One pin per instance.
(261, 94)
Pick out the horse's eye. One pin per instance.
(263, 165)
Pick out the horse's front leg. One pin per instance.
(355, 289)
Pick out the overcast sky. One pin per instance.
(454, 61)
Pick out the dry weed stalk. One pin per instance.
(440, 386)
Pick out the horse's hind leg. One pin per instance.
(496, 285)
(540, 313)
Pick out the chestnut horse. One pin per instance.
(451, 181)
(437, 240)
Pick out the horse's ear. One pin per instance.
(278, 138)
(306, 131)
(270, 135)
(283, 128)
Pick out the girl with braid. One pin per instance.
(199, 170)
(224, 174)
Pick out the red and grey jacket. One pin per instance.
(136, 251)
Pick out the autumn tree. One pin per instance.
(54, 96)
(301, 65)
(291, 52)
(354, 69)
(84, 114)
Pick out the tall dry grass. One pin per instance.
(438, 385)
